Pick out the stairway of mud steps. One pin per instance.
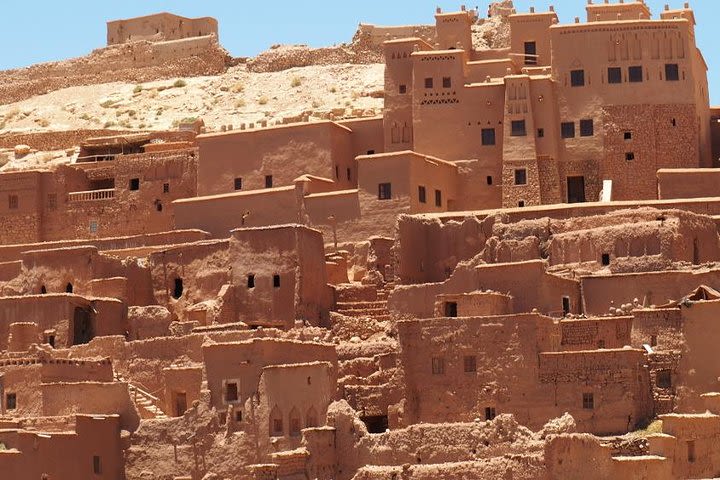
(147, 404)
(361, 302)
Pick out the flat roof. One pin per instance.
(288, 126)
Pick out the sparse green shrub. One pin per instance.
(180, 83)
(296, 82)
(137, 89)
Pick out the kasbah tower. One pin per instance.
(485, 247)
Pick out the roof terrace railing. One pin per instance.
(91, 195)
(96, 158)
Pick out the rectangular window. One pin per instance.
(488, 136)
(348, 173)
(629, 156)
(691, 451)
(384, 191)
(490, 413)
(530, 53)
(268, 181)
(438, 198)
(672, 72)
(653, 340)
(238, 184)
(663, 379)
(166, 188)
(10, 401)
(13, 202)
(421, 194)
(635, 74)
(489, 180)
(614, 75)
(403, 89)
(627, 135)
(470, 363)
(541, 132)
(52, 201)
(276, 281)
(447, 82)
(567, 129)
(566, 305)
(577, 78)
(97, 466)
(438, 366)
(588, 401)
(451, 310)
(238, 415)
(134, 184)
(520, 176)
(251, 281)
(517, 128)
(231, 392)
(93, 226)
(429, 82)
(605, 259)
(337, 172)
(587, 128)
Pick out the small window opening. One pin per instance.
(635, 74)
(520, 176)
(567, 129)
(376, 424)
(51, 340)
(429, 82)
(337, 172)
(276, 281)
(251, 281)
(691, 451)
(674, 122)
(629, 156)
(588, 400)
(470, 363)
(10, 401)
(517, 128)
(166, 188)
(403, 89)
(487, 136)
(238, 415)
(614, 75)
(605, 260)
(158, 206)
(577, 78)
(438, 198)
(134, 184)
(566, 305)
(447, 82)
(231, 392)
(69, 288)
(521, 203)
(451, 309)
(587, 129)
(627, 135)
(43, 290)
(489, 180)
(490, 413)
(653, 340)
(268, 181)
(530, 53)
(601, 344)
(438, 365)
(238, 184)
(178, 289)
(672, 72)
(13, 202)
(422, 194)
(349, 174)
(664, 379)
(384, 191)
(97, 466)
(541, 132)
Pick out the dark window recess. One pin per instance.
(238, 184)
(541, 132)
(51, 340)
(384, 191)
(43, 290)
(97, 465)
(520, 176)
(664, 379)
(674, 122)
(517, 128)
(531, 53)
(428, 83)
(69, 288)
(635, 74)
(348, 172)
(231, 392)
(403, 89)
(653, 340)
(268, 181)
(371, 152)
(587, 129)
(629, 156)
(588, 401)
(451, 309)
(166, 188)
(134, 184)
(447, 82)
(521, 203)
(567, 129)
(421, 194)
(276, 281)
(376, 424)
(238, 415)
(627, 135)
(470, 363)
(438, 365)
(672, 72)
(178, 288)
(614, 75)
(605, 260)
(438, 198)
(576, 189)
(488, 136)
(13, 202)
(337, 172)
(577, 78)
(691, 451)
(566, 305)
(251, 281)
(158, 205)
(490, 413)
(10, 401)
(489, 180)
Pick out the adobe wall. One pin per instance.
(664, 325)
(90, 398)
(688, 183)
(593, 333)
(21, 222)
(159, 27)
(136, 62)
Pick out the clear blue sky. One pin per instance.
(46, 30)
